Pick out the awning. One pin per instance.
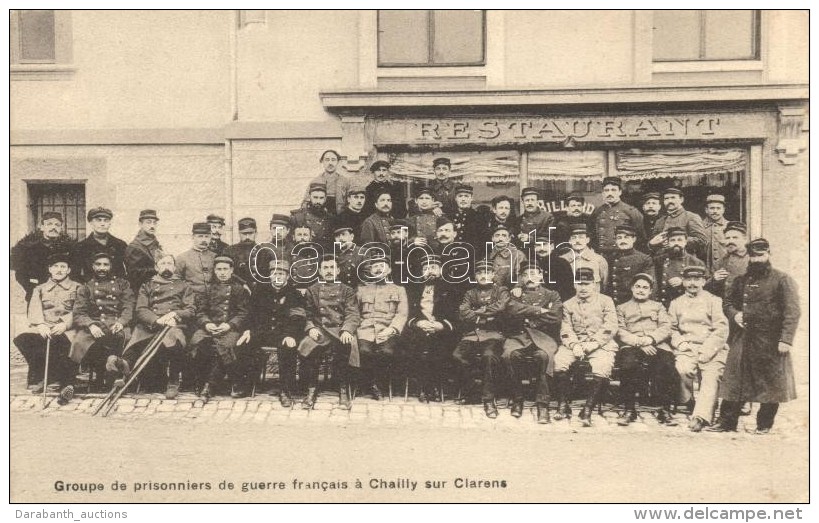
(644, 165)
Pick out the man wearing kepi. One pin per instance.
(195, 265)
(534, 223)
(733, 263)
(587, 333)
(714, 224)
(102, 314)
(612, 213)
(443, 188)
(669, 265)
(217, 225)
(764, 306)
(382, 181)
(141, 253)
(100, 240)
(626, 263)
(699, 332)
(240, 252)
(532, 331)
(677, 217)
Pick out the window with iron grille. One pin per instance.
(431, 38)
(697, 35)
(67, 199)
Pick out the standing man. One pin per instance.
(315, 215)
(195, 265)
(422, 223)
(714, 224)
(506, 259)
(466, 220)
(29, 258)
(626, 263)
(100, 240)
(669, 265)
(240, 252)
(501, 215)
(442, 187)
(582, 255)
(376, 228)
(141, 253)
(575, 203)
(651, 213)
(764, 307)
(612, 213)
(677, 217)
(534, 223)
(734, 262)
(337, 184)
(382, 180)
(354, 214)
(217, 225)
(347, 255)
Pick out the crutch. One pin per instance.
(45, 378)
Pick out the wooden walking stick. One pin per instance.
(45, 378)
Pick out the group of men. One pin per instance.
(438, 289)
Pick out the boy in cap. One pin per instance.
(376, 227)
(480, 314)
(222, 314)
(468, 227)
(29, 257)
(610, 214)
(383, 181)
(733, 263)
(644, 329)
(534, 223)
(532, 330)
(627, 262)
(240, 252)
(315, 215)
(714, 224)
(141, 253)
(676, 216)
(584, 256)
(670, 264)
(587, 333)
(217, 225)
(100, 240)
(50, 317)
(195, 265)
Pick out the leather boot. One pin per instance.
(543, 413)
(309, 401)
(517, 408)
(627, 417)
(563, 412)
(490, 409)
(600, 385)
(344, 399)
(285, 399)
(205, 392)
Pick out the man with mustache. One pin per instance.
(699, 332)
(240, 252)
(610, 214)
(195, 265)
(565, 222)
(651, 213)
(505, 258)
(315, 215)
(714, 224)
(677, 217)
(376, 227)
(100, 240)
(422, 222)
(347, 255)
(582, 255)
(141, 253)
(335, 183)
(669, 265)
(534, 223)
(217, 226)
(733, 263)
(305, 258)
(465, 218)
(29, 257)
(501, 215)
(626, 263)
(383, 181)
(443, 187)
(763, 305)
(355, 212)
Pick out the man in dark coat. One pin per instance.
(626, 262)
(141, 253)
(534, 223)
(677, 217)
(763, 308)
(383, 181)
(670, 264)
(240, 252)
(468, 225)
(315, 215)
(100, 240)
(651, 208)
(29, 257)
(610, 215)
(376, 227)
(565, 222)
(354, 213)
(217, 226)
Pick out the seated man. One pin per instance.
(102, 314)
(480, 313)
(383, 316)
(644, 330)
(278, 316)
(332, 319)
(222, 315)
(589, 326)
(50, 317)
(699, 335)
(164, 300)
(533, 330)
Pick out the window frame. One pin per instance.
(431, 45)
(60, 69)
(756, 43)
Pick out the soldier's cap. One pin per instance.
(580, 228)
(377, 258)
(676, 231)
(223, 259)
(318, 186)
(201, 228)
(441, 221)
(584, 274)
(672, 190)
(736, 226)
(247, 224)
(693, 271)
(643, 276)
(379, 164)
(101, 254)
(280, 219)
(279, 265)
(625, 229)
(758, 246)
(58, 257)
(463, 187)
(715, 198)
(525, 266)
(425, 190)
(484, 266)
(49, 215)
(148, 214)
(432, 259)
(328, 257)
(575, 197)
(397, 224)
(441, 161)
(613, 180)
(651, 196)
(341, 229)
(99, 212)
(215, 218)
(356, 187)
(499, 227)
(529, 190)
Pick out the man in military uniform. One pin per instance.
(505, 258)
(50, 317)
(443, 188)
(348, 257)
(383, 181)
(422, 223)
(733, 263)
(651, 207)
(304, 263)
(557, 272)
(532, 330)
(565, 222)
(399, 250)
(587, 333)
(100, 240)
(332, 319)
(677, 217)
(354, 213)
(714, 224)
(240, 252)
(164, 300)
(103, 314)
(644, 329)
(315, 215)
(480, 315)
(29, 257)
(195, 265)
(610, 214)
(534, 223)
(626, 263)
(217, 226)
(222, 315)
(699, 332)
(501, 215)
(763, 306)
(467, 223)
(278, 314)
(582, 255)
(141, 253)
(670, 264)
(335, 183)
(376, 228)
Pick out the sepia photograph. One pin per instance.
(409, 256)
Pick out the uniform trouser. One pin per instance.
(601, 362)
(376, 360)
(341, 356)
(636, 367)
(427, 356)
(213, 367)
(60, 367)
(729, 412)
(98, 353)
(287, 368)
(171, 357)
(711, 374)
(518, 360)
(467, 353)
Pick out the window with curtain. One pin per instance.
(694, 35)
(431, 38)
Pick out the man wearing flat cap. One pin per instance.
(676, 216)
(140, 255)
(335, 183)
(626, 262)
(714, 224)
(670, 264)
(610, 214)
(195, 265)
(315, 215)
(29, 257)
(763, 305)
(733, 263)
(468, 226)
(100, 240)
(217, 226)
(240, 252)
(534, 223)
(354, 213)
(383, 181)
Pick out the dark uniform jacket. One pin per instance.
(423, 224)
(101, 303)
(481, 312)
(240, 254)
(222, 302)
(606, 217)
(157, 297)
(348, 260)
(444, 191)
(697, 238)
(539, 221)
(526, 324)
(318, 221)
(445, 303)
(277, 314)
(397, 191)
(376, 228)
(557, 275)
(331, 308)
(666, 268)
(468, 227)
(348, 218)
(29, 259)
(140, 259)
(87, 248)
(624, 266)
(563, 230)
(217, 246)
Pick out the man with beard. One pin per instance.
(714, 224)
(443, 188)
(669, 265)
(335, 183)
(376, 228)
(505, 258)
(763, 305)
(164, 300)
(100, 240)
(141, 253)
(733, 263)
(532, 331)
(612, 213)
(195, 265)
(240, 252)
(582, 255)
(332, 319)
(217, 226)
(315, 215)
(347, 256)
(29, 257)
(466, 220)
(699, 332)
(587, 333)
(278, 315)
(644, 329)
(222, 314)
(354, 213)
(626, 263)
(651, 213)
(102, 315)
(677, 217)
(534, 223)
(574, 215)
(501, 215)
(383, 181)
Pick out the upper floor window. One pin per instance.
(431, 38)
(693, 35)
(40, 44)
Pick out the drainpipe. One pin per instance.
(234, 114)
